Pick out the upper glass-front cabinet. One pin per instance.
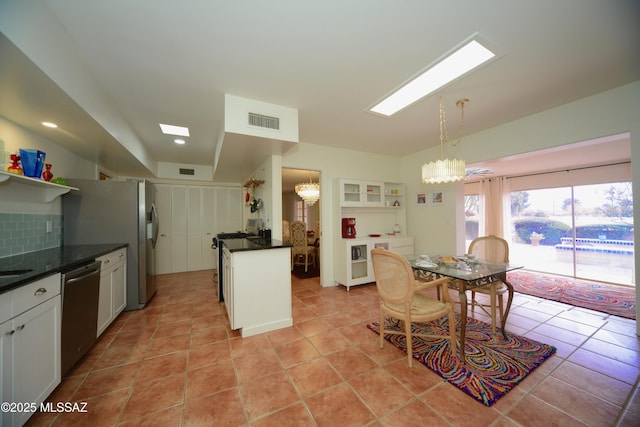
(361, 193)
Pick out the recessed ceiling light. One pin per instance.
(463, 60)
(174, 130)
(49, 124)
(180, 141)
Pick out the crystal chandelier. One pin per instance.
(309, 191)
(445, 170)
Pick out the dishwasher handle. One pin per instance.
(82, 273)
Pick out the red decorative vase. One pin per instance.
(47, 175)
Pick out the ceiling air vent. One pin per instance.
(263, 121)
(184, 171)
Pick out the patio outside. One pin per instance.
(544, 221)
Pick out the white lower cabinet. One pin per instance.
(402, 245)
(112, 298)
(30, 348)
(352, 262)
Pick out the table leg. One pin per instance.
(463, 318)
(506, 310)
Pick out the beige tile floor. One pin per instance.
(176, 363)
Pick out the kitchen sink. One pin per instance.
(10, 273)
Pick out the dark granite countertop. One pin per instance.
(253, 244)
(49, 261)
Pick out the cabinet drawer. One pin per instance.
(401, 241)
(35, 293)
(111, 259)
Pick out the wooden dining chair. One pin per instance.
(396, 291)
(301, 252)
(286, 231)
(493, 249)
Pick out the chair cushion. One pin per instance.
(421, 305)
(501, 288)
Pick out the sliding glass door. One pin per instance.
(604, 232)
(583, 231)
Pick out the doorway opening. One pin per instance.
(295, 209)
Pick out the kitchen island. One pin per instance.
(257, 284)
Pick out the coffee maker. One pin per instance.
(348, 228)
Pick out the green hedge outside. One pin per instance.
(552, 230)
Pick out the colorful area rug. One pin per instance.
(611, 299)
(494, 365)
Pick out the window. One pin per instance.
(301, 212)
(577, 223)
(471, 217)
(583, 231)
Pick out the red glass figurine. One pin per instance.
(15, 167)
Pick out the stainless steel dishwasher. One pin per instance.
(80, 289)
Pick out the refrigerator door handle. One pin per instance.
(155, 226)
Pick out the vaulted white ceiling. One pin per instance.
(173, 61)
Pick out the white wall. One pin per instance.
(269, 171)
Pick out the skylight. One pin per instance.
(174, 130)
(460, 62)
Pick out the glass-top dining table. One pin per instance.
(466, 275)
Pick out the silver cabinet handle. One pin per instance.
(106, 261)
(11, 332)
(21, 327)
(40, 291)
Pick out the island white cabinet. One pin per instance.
(30, 346)
(257, 289)
(112, 298)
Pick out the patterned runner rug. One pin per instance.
(494, 365)
(612, 299)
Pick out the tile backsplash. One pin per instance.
(21, 233)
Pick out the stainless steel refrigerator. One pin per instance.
(117, 212)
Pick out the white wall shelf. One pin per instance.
(18, 184)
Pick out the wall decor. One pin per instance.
(437, 198)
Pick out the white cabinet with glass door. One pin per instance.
(353, 262)
(356, 193)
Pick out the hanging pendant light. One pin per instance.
(309, 191)
(445, 170)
